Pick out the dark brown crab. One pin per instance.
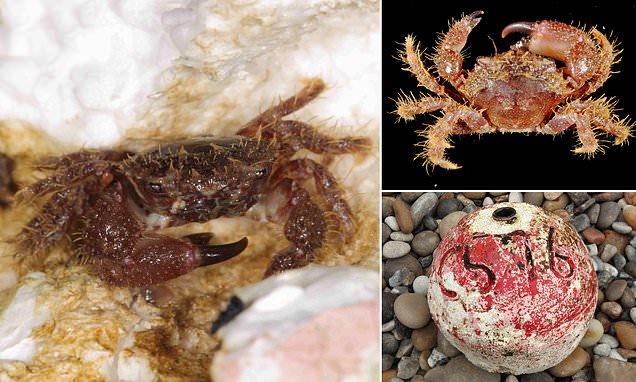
(520, 90)
(113, 201)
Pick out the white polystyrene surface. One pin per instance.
(81, 69)
(19, 319)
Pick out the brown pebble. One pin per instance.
(617, 240)
(629, 197)
(570, 365)
(615, 290)
(411, 309)
(417, 378)
(612, 370)
(593, 334)
(403, 215)
(629, 213)
(627, 353)
(563, 214)
(423, 360)
(593, 235)
(559, 203)
(425, 338)
(626, 334)
(552, 195)
(604, 320)
(387, 375)
(608, 196)
(628, 300)
(474, 195)
(501, 198)
(447, 195)
(612, 309)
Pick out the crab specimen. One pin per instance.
(112, 202)
(520, 90)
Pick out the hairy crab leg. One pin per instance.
(448, 55)
(299, 135)
(54, 219)
(437, 135)
(307, 94)
(408, 107)
(305, 229)
(584, 115)
(587, 56)
(412, 57)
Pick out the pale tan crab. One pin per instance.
(520, 90)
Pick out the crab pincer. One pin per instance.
(575, 47)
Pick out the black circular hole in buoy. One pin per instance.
(504, 213)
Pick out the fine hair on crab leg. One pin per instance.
(448, 54)
(412, 57)
(299, 135)
(54, 220)
(314, 87)
(584, 115)
(408, 107)
(437, 134)
(305, 229)
(300, 170)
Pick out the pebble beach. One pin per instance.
(414, 223)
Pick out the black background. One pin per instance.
(503, 161)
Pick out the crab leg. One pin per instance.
(412, 57)
(587, 56)
(437, 135)
(307, 94)
(409, 107)
(448, 56)
(585, 115)
(299, 135)
(305, 229)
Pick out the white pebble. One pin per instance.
(420, 284)
(401, 236)
(391, 221)
(632, 314)
(592, 249)
(511, 378)
(388, 326)
(488, 201)
(515, 197)
(602, 350)
(395, 249)
(610, 268)
(609, 340)
(616, 355)
(621, 227)
(435, 357)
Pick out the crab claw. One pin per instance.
(212, 254)
(547, 38)
(563, 42)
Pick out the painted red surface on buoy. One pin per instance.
(513, 287)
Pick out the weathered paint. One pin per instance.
(512, 286)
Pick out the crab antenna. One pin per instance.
(519, 27)
(212, 254)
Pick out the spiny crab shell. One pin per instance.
(512, 286)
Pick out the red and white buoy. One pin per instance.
(512, 286)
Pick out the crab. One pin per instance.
(113, 202)
(521, 90)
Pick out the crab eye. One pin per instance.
(261, 173)
(155, 187)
